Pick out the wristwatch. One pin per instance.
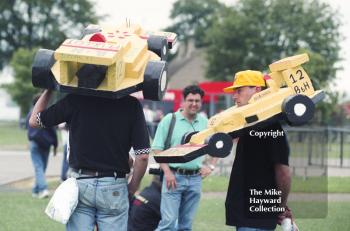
(212, 167)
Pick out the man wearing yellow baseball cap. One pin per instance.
(260, 165)
(245, 84)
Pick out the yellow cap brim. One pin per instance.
(231, 89)
(228, 89)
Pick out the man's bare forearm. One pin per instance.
(163, 166)
(140, 166)
(40, 105)
(283, 181)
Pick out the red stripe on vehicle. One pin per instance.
(92, 48)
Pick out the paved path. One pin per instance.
(17, 165)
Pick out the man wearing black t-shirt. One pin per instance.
(260, 178)
(101, 133)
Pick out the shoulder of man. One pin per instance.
(202, 118)
(167, 118)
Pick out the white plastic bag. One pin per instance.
(63, 201)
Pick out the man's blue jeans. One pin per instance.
(102, 201)
(252, 229)
(39, 159)
(179, 206)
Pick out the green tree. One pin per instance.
(28, 24)
(329, 111)
(41, 23)
(254, 33)
(22, 90)
(193, 17)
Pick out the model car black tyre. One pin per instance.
(219, 145)
(298, 109)
(187, 137)
(159, 45)
(42, 76)
(155, 80)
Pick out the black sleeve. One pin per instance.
(278, 147)
(58, 113)
(139, 134)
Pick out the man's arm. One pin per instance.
(168, 174)
(208, 168)
(140, 166)
(140, 144)
(40, 106)
(283, 181)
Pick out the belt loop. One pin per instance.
(79, 171)
(115, 176)
(96, 173)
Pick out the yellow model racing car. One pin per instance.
(107, 62)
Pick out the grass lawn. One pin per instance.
(20, 212)
(211, 217)
(12, 137)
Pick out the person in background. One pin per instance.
(182, 183)
(41, 140)
(144, 211)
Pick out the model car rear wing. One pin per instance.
(171, 37)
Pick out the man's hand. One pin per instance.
(170, 180)
(205, 171)
(169, 176)
(40, 105)
(286, 214)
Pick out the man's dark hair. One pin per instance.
(194, 89)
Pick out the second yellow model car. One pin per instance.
(289, 95)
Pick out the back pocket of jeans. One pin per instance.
(113, 197)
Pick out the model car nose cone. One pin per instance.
(219, 144)
(299, 109)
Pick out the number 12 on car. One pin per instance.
(298, 79)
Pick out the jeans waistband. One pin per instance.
(183, 171)
(97, 174)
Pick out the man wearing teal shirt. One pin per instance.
(182, 183)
